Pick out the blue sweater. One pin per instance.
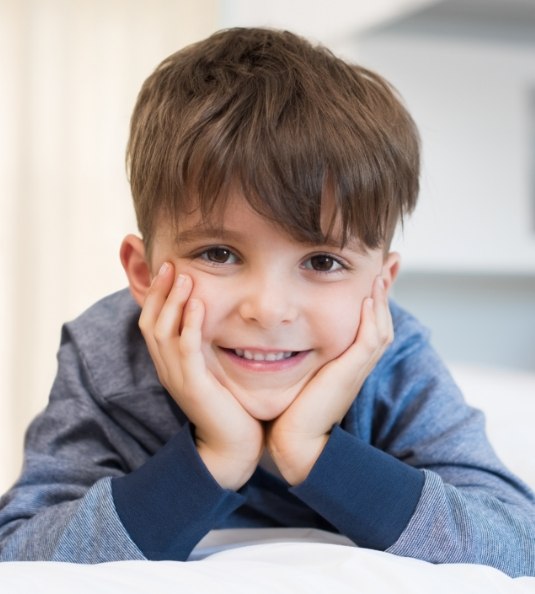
(111, 471)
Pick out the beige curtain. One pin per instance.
(69, 74)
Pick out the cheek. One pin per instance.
(215, 300)
(339, 325)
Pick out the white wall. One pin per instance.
(333, 22)
(468, 253)
(473, 102)
(70, 72)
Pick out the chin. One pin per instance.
(264, 409)
(265, 416)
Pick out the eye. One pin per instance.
(323, 263)
(219, 255)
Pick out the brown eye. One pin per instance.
(219, 255)
(323, 263)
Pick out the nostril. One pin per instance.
(267, 311)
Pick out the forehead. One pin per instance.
(234, 220)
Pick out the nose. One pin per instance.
(268, 302)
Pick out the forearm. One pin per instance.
(87, 530)
(159, 511)
(469, 525)
(381, 502)
(366, 494)
(172, 501)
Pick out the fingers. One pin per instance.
(169, 321)
(164, 304)
(193, 364)
(162, 316)
(374, 334)
(156, 297)
(383, 318)
(376, 329)
(152, 306)
(191, 331)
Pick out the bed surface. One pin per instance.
(294, 567)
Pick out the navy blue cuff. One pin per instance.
(168, 504)
(365, 493)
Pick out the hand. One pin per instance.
(296, 438)
(229, 440)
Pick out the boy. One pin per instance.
(272, 383)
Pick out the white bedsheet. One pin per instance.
(269, 568)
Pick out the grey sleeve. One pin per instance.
(61, 508)
(87, 530)
(64, 506)
(471, 509)
(463, 524)
(98, 486)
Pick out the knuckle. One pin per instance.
(385, 340)
(143, 325)
(185, 347)
(159, 335)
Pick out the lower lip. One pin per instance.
(263, 366)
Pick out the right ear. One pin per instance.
(132, 254)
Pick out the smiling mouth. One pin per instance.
(251, 355)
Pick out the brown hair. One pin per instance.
(285, 121)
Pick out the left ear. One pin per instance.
(390, 269)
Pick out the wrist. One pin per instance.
(229, 468)
(296, 458)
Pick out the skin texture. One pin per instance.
(262, 340)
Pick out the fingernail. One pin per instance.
(193, 304)
(381, 283)
(180, 280)
(163, 268)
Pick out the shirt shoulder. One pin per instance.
(110, 346)
(409, 334)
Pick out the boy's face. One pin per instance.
(277, 310)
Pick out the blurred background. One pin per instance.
(70, 71)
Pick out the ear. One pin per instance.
(132, 254)
(390, 269)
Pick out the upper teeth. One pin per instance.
(258, 356)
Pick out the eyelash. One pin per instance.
(205, 256)
(340, 266)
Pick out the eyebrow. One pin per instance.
(200, 232)
(204, 232)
